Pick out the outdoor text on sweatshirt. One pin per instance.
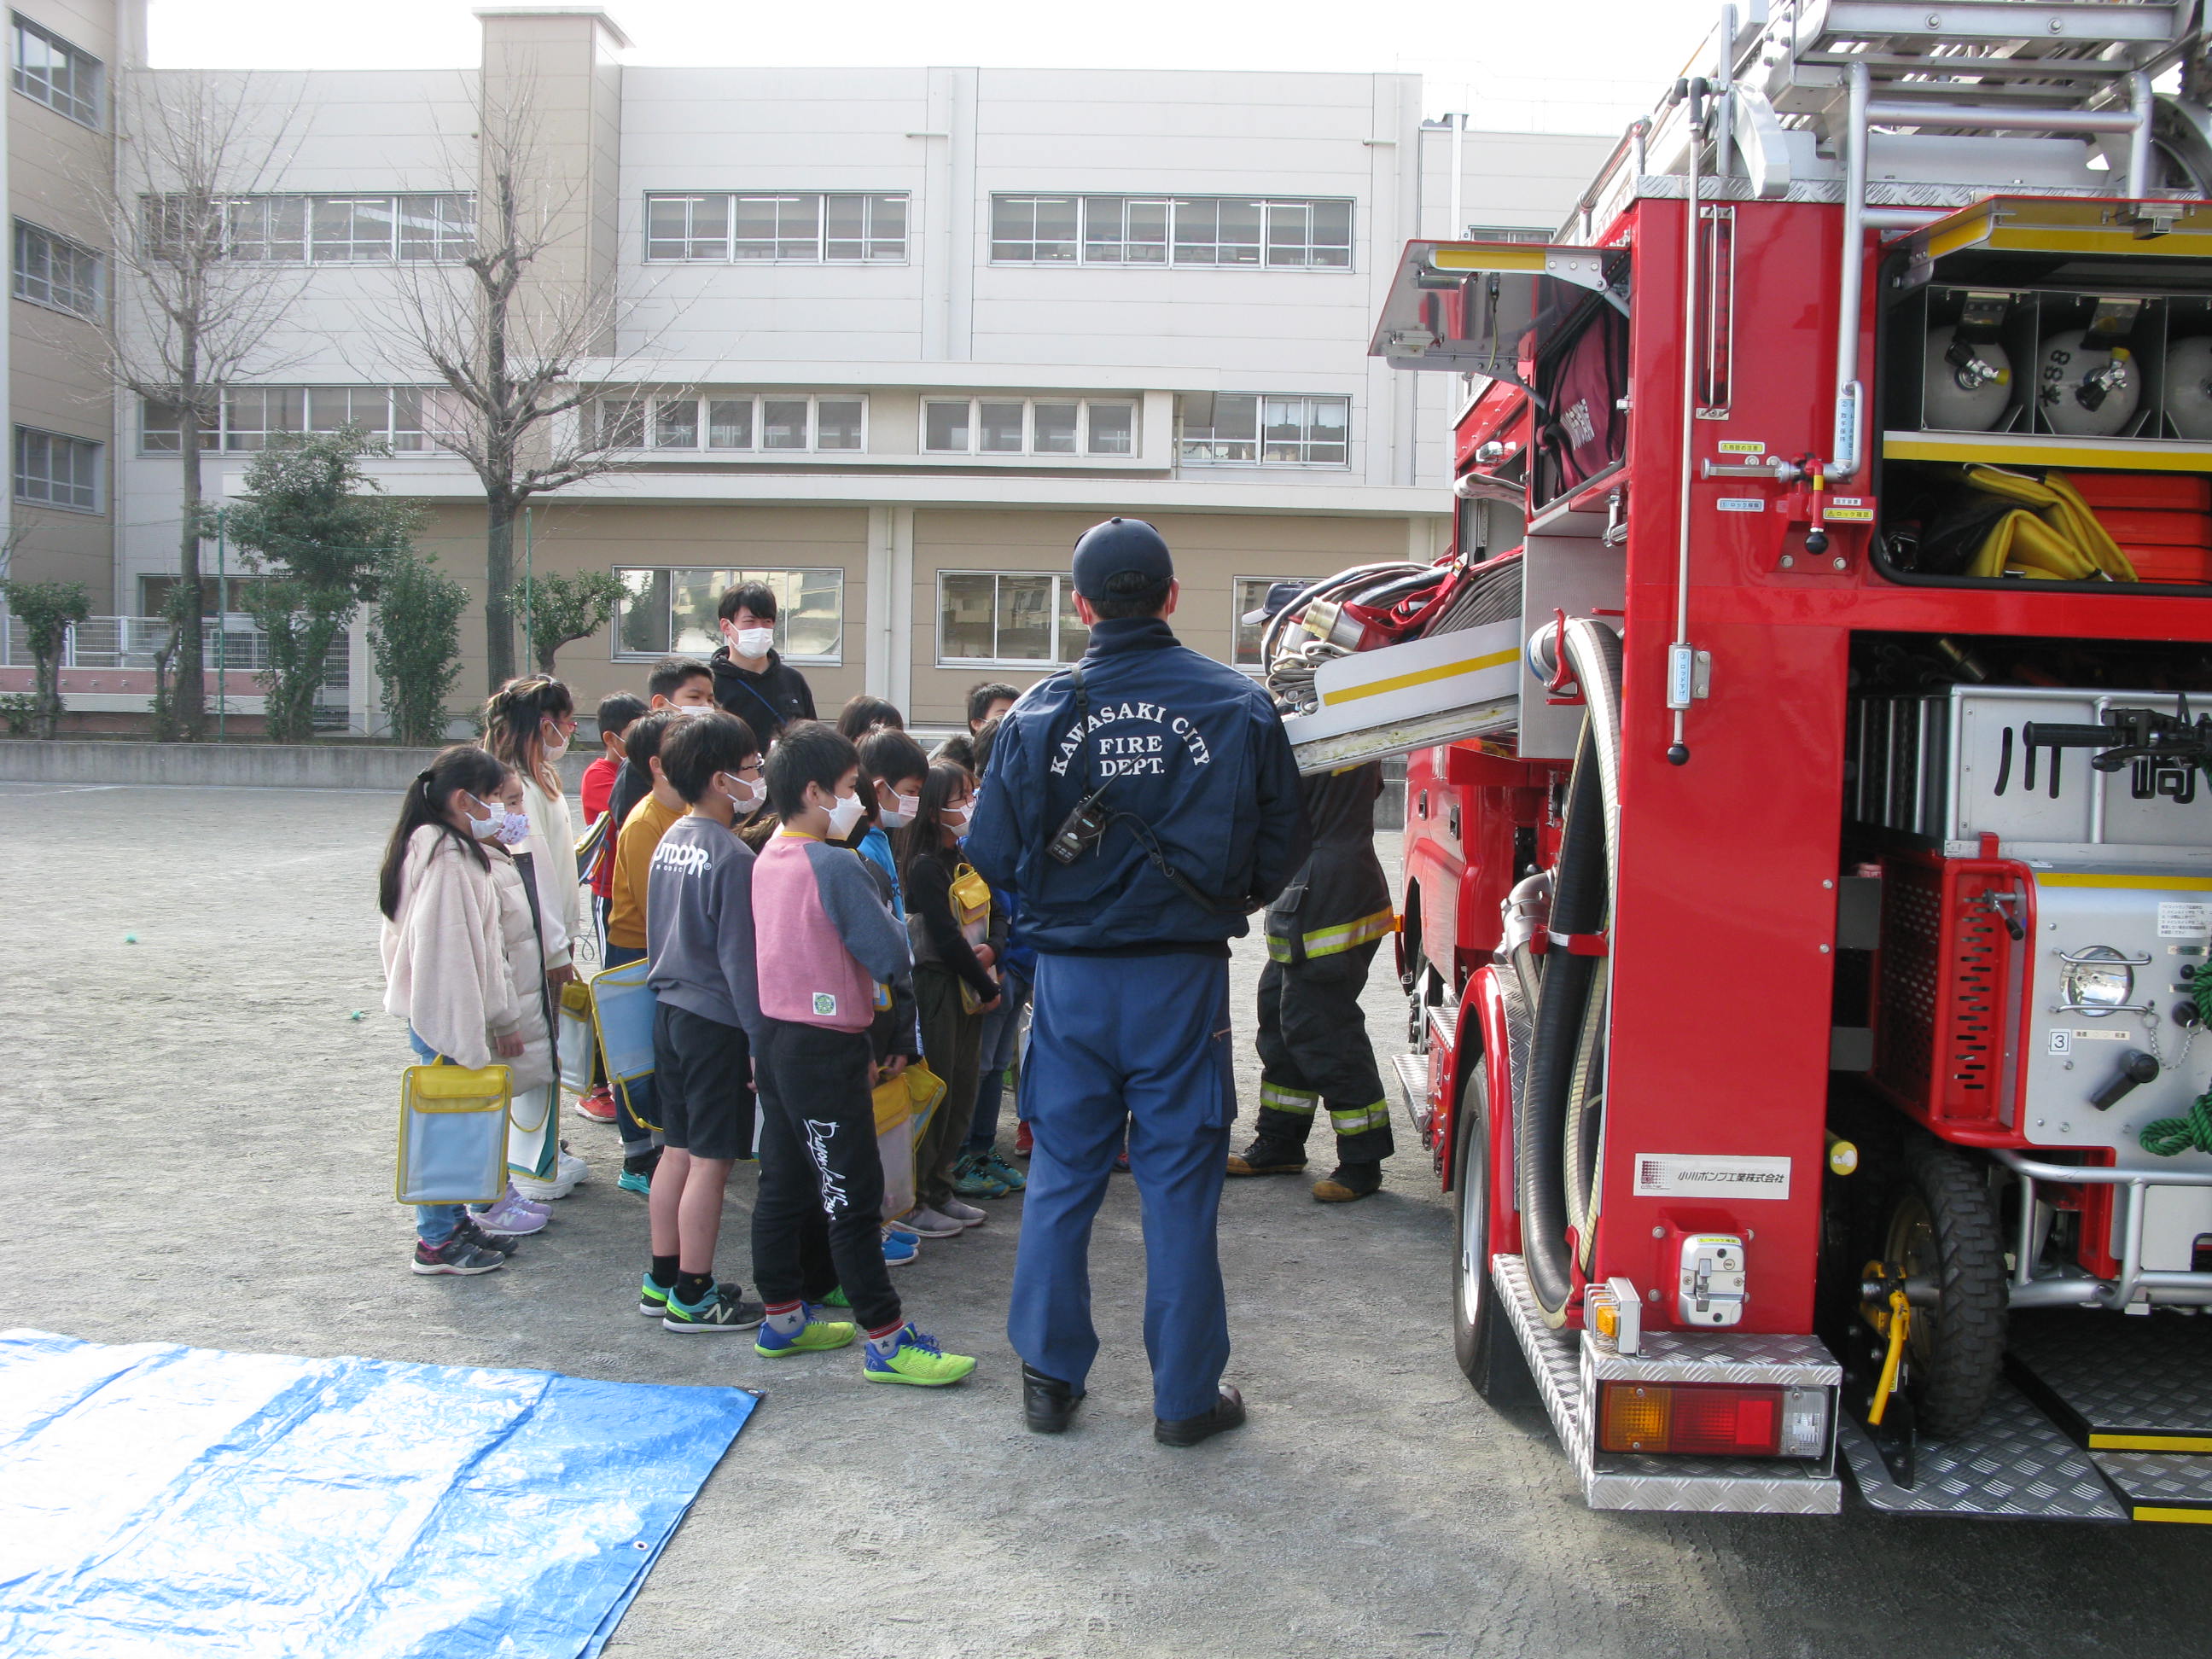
(823, 936)
(699, 923)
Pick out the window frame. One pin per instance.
(401, 441)
(617, 652)
(702, 423)
(1082, 452)
(285, 227)
(58, 244)
(1062, 592)
(1258, 440)
(1265, 210)
(58, 442)
(86, 109)
(872, 201)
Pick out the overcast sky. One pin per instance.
(1525, 65)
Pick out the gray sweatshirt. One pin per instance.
(699, 923)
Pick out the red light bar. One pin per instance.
(1717, 1419)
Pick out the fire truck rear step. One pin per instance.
(2118, 1384)
(2015, 1462)
(1566, 1373)
(2160, 1485)
(1413, 1087)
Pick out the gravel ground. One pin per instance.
(202, 1134)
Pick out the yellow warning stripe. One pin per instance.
(2157, 1443)
(2156, 1512)
(2056, 451)
(2149, 883)
(1507, 256)
(1421, 677)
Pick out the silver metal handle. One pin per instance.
(2109, 957)
(2107, 1008)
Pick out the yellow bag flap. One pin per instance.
(894, 1104)
(576, 998)
(971, 894)
(458, 1089)
(923, 1085)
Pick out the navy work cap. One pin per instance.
(1119, 547)
(1279, 595)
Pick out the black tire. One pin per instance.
(1482, 1337)
(1943, 1229)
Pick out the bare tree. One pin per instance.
(508, 333)
(202, 287)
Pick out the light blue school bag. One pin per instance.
(452, 1135)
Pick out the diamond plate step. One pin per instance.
(1413, 1085)
(2160, 1485)
(2118, 1381)
(2014, 1462)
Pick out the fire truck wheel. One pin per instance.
(1482, 1340)
(1943, 1238)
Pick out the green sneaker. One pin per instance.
(1002, 1172)
(918, 1360)
(837, 1299)
(971, 1180)
(813, 1337)
(651, 1298)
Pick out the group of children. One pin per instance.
(812, 933)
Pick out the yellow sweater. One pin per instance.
(642, 831)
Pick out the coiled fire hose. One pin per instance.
(2170, 1137)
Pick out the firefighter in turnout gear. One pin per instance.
(1322, 933)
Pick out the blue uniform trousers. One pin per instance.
(1140, 1044)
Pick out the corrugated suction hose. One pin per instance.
(1559, 1117)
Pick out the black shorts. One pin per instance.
(702, 1084)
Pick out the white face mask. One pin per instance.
(753, 643)
(844, 813)
(956, 822)
(487, 829)
(747, 798)
(901, 815)
(513, 829)
(556, 741)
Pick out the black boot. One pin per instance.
(1227, 1412)
(1348, 1182)
(1267, 1154)
(1047, 1403)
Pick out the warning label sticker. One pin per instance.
(2184, 920)
(1741, 447)
(2062, 1042)
(1691, 1175)
(1848, 514)
(1740, 504)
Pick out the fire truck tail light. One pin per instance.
(1716, 1420)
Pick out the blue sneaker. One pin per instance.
(1001, 1171)
(899, 1248)
(817, 1335)
(651, 1299)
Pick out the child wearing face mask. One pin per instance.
(945, 961)
(465, 966)
(892, 767)
(649, 804)
(528, 723)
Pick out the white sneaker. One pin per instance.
(926, 1222)
(966, 1215)
(571, 1168)
(569, 1172)
(514, 1216)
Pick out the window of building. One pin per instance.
(49, 68)
(404, 419)
(1244, 429)
(1214, 232)
(52, 471)
(375, 230)
(1035, 426)
(52, 270)
(987, 618)
(735, 422)
(794, 228)
(1246, 594)
(1506, 234)
(674, 609)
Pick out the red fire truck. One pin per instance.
(1809, 846)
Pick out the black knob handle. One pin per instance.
(1816, 541)
(2136, 1066)
(1678, 754)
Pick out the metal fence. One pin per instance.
(232, 639)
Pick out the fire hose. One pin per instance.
(1559, 1115)
(2170, 1137)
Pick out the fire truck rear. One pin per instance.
(1809, 849)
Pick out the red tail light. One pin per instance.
(1714, 1418)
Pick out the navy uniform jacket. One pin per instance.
(1194, 748)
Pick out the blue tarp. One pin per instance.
(162, 1500)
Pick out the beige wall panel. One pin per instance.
(1212, 550)
(55, 374)
(566, 538)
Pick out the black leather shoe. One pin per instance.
(1227, 1412)
(1047, 1403)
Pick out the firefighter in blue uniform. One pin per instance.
(1323, 930)
(1142, 804)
